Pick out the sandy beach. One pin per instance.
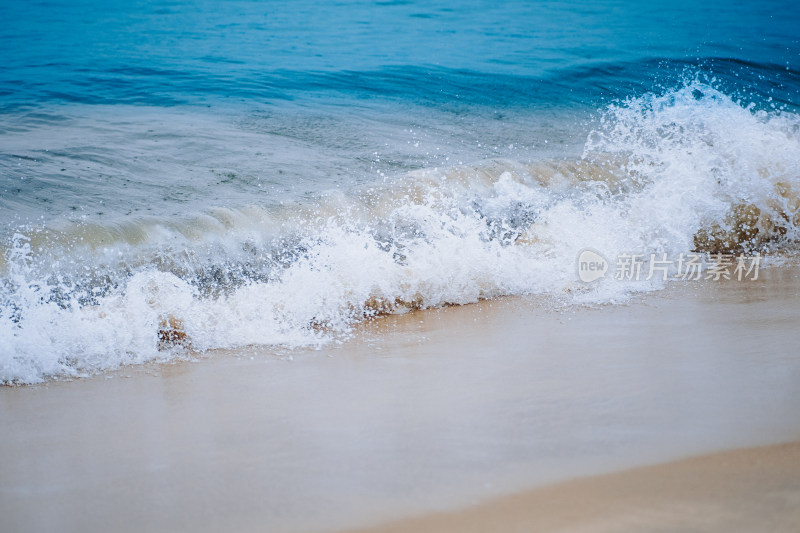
(507, 415)
(754, 489)
(341, 267)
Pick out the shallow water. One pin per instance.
(429, 411)
(272, 174)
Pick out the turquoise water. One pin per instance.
(347, 78)
(296, 167)
(426, 53)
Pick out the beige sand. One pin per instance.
(755, 489)
(422, 413)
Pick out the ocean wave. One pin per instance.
(442, 88)
(690, 169)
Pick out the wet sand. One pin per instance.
(431, 412)
(754, 489)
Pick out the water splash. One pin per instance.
(687, 169)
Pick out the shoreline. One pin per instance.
(750, 489)
(419, 414)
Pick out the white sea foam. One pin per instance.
(657, 171)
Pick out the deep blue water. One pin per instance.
(430, 53)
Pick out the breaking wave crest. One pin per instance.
(687, 170)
